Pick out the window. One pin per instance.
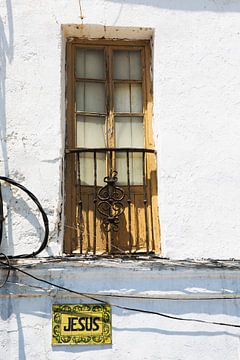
(110, 177)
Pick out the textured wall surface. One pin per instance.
(25, 312)
(196, 79)
(196, 113)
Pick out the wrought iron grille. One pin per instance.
(114, 217)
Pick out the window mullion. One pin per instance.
(144, 96)
(110, 116)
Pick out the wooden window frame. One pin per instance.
(69, 186)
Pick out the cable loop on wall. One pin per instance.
(8, 269)
(41, 210)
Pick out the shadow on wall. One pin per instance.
(39, 311)
(15, 204)
(188, 5)
(18, 209)
(6, 55)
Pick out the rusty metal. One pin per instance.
(79, 200)
(110, 204)
(95, 205)
(129, 205)
(145, 199)
(104, 150)
(110, 201)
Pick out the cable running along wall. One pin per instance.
(40, 208)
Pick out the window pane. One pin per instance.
(87, 168)
(129, 132)
(121, 167)
(135, 168)
(127, 65)
(90, 63)
(90, 131)
(135, 65)
(128, 98)
(136, 98)
(90, 97)
(122, 98)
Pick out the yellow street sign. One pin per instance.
(81, 324)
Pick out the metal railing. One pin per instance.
(113, 202)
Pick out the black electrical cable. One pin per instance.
(140, 297)
(48, 282)
(119, 306)
(40, 208)
(8, 271)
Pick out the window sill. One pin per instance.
(125, 262)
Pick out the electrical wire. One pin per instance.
(141, 297)
(137, 297)
(43, 214)
(119, 306)
(81, 12)
(8, 271)
(48, 282)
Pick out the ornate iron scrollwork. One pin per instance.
(110, 204)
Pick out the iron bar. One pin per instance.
(145, 200)
(108, 149)
(111, 203)
(110, 161)
(151, 216)
(95, 205)
(129, 206)
(108, 202)
(79, 192)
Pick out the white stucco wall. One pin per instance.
(196, 112)
(196, 80)
(25, 312)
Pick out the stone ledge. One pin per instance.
(141, 262)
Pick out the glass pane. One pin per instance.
(90, 97)
(90, 63)
(127, 65)
(129, 132)
(87, 168)
(135, 65)
(136, 98)
(135, 168)
(121, 167)
(128, 98)
(122, 98)
(90, 131)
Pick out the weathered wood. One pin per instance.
(92, 231)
